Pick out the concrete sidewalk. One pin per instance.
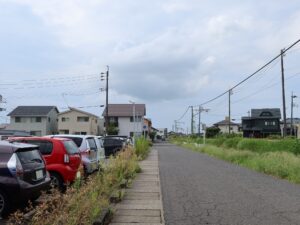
(142, 204)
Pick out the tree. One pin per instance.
(112, 130)
(212, 132)
(152, 135)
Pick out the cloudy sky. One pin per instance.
(168, 54)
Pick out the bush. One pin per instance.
(212, 132)
(231, 142)
(142, 147)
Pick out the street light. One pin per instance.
(292, 107)
(133, 114)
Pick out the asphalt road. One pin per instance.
(198, 189)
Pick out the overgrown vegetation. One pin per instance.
(277, 157)
(142, 147)
(83, 204)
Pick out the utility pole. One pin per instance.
(229, 110)
(292, 107)
(283, 94)
(106, 90)
(199, 120)
(192, 120)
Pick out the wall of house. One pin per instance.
(224, 129)
(52, 122)
(125, 126)
(28, 125)
(90, 127)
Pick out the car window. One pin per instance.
(45, 147)
(92, 144)
(32, 156)
(71, 147)
(101, 142)
(77, 140)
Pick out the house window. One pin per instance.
(82, 119)
(266, 114)
(18, 119)
(49, 119)
(270, 123)
(137, 119)
(36, 119)
(65, 119)
(81, 133)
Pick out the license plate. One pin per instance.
(39, 174)
(78, 174)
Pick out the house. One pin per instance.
(162, 133)
(147, 126)
(37, 120)
(224, 126)
(289, 131)
(75, 121)
(121, 117)
(262, 123)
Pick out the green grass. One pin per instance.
(282, 164)
(142, 147)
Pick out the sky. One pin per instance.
(168, 54)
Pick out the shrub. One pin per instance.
(232, 142)
(142, 147)
(212, 132)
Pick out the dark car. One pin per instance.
(23, 174)
(113, 144)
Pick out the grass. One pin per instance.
(278, 157)
(83, 204)
(142, 147)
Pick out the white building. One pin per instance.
(127, 118)
(224, 126)
(37, 120)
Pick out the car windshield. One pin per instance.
(30, 156)
(77, 140)
(92, 143)
(71, 147)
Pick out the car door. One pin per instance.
(91, 144)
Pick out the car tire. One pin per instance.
(57, 181)
(4, 204)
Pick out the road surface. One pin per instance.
(198, 189)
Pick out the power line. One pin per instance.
(251, 75)
(183, 114)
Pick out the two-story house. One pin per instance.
(262, 123)
(37, 120)
(224, 126)
(127, 118)
(75, 121)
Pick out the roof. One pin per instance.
(8, 147)
(78, 110)
(274, 113)
(32, 111)
(225, 122)
(125, 110)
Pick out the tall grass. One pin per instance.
(142, 147)
(284, 165)
(82, 205)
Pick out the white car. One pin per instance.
(101, 152)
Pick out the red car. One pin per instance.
(61, 155)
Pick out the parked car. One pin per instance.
(23, 174)
(88, 150)
(62, 158)
(101, 152)
(113, 144)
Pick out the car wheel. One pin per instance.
(56, 181)
(4, 204)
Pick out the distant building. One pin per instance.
(262, 123)
(121, 117)
(224, 126)
(162, 133)
(147, 126)
(37, 120)
(75, 121)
